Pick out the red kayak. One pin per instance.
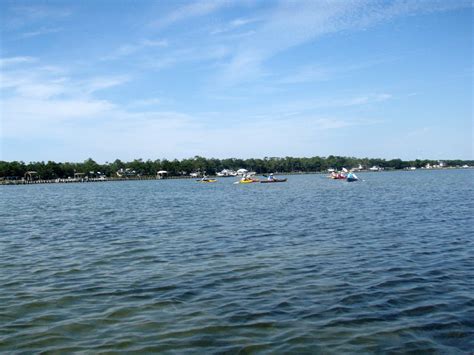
(338, 177)
(274, 180)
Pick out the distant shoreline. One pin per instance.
(187, 177)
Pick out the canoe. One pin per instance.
(206, 181)
(271, 181)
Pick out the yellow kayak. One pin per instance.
(249, 181)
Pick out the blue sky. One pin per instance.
(174, 79)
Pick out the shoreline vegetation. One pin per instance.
(18, 172)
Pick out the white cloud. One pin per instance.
(308, 73)
(185, 55)
(39, 32)
(146, 102)
(27, 15)
(196, 9)
(360, 100)
(19, 83)
(34, 12)
(26, 78)
(105, 130)
(15, 60)
(129, 49)
(293, 23)
(234, 25)
(29, 110)
(100, 83)
(318, 72)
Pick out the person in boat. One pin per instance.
(352, 176)
(204, 178)
(270, 177)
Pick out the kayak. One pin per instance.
(274, 180)
(339, 178)
(246, 181)
(208, 180)
(352, 179)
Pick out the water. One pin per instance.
(311, 265)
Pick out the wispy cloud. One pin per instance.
(209, 54)
(39, 32)
(41, 11)
(15, 60)
(129, 49)
(307, 73)
(28, 15)
(360, 100)
(294, 23)
(233, 25)
(146, 102)
(60, 108)
(36, 81)
(322, 72)
(94, 84)
(188, 11)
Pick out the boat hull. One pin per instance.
(272, 181)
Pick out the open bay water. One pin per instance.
(174, 266)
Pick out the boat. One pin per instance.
(337, 176)
(206, 180)
(352, 177)
(246, 181)
(226, 173)
(274, 180)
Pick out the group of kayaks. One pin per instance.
(245, 180)
(344, 175)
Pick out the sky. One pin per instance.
(153, 80)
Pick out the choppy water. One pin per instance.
(311, 265)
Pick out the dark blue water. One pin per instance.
(311, 265)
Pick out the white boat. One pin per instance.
(226, 173)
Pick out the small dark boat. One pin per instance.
(274, 180)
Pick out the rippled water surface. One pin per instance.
(311, 265)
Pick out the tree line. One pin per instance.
(53, 170)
